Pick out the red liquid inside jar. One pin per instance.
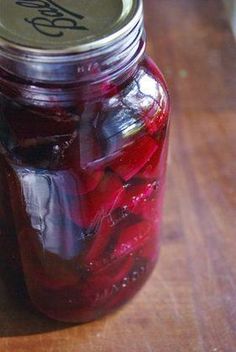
(84, 188)
(82, 174)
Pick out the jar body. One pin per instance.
(81, 193)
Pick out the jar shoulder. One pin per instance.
(145, 90)
(96, 131)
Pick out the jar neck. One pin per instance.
(93, 65)
(65, 78)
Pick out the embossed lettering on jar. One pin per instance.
(83, 148)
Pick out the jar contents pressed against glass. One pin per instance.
(84, 116)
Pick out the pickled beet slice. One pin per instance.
(85, 182)
(101, 252)
(155, 119)
(129, 285)
(102, 285)
(94, 291)
(100, 242)
(118, 125)
(72, 185)
(88, 210)
(136, 195)
(89, 181)
(75, 180)
(108, 88)
(134, 157)
(119, 270)
(132, 237)
(151, 170)
(28, 124)
(149, 210)
(90, 145)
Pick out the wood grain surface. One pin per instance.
(189, 304)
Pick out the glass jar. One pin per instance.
(83, 147)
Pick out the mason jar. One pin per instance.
(84, 116)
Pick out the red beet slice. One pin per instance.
(96, 290)
(29, 124)
(132, 238)
(87, 182)
(149, 210)
(136, 195)
(157, 116)
(151, 170)
(88, 210)
(108, 88)
(90, 146)
(80, 182)
(100, 242)
(104, 284)
(134, 157)
(120, 269)
(155, 119)
(129, 285)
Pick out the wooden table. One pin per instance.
(190, 302)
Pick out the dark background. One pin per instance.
(189, 305)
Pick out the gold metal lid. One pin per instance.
(65, 26)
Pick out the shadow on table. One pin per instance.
(18, 317)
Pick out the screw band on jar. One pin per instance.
(27, 52)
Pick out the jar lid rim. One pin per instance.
(42, 27)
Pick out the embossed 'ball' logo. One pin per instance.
(52, 19)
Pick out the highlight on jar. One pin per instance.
(84, 120)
